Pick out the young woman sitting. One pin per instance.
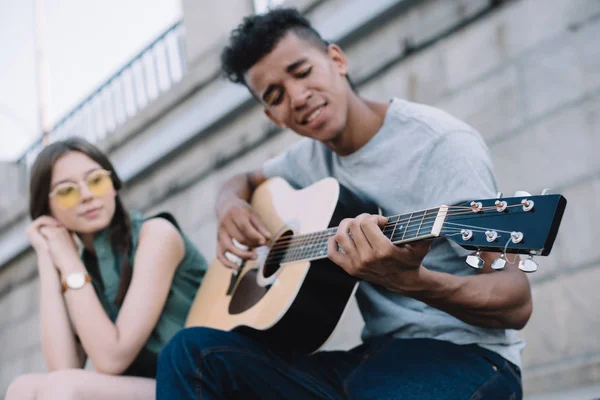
(120, 299)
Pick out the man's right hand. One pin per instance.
(238, 221)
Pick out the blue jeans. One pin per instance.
(203, 363)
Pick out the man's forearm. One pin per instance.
(491, 300)
(237, 187)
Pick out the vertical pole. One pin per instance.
(41, 69)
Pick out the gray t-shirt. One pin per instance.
(421, 157)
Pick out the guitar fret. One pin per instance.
(421, 224)
(318, 246)
(394, 229)
(312, 243)
(399, 230)
(286, 256)
(307, 246)
(304, 247)
(407, 225)
(295, 250)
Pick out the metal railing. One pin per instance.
(154, 70)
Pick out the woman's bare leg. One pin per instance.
(79, 384)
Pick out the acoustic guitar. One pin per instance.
(292, 296)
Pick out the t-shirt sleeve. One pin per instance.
(296, 165)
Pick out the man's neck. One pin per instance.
(365, 118)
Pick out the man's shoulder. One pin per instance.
(307, 147)
(436, 121)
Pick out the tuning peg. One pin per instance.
(499, 263)
(475, 261)
(546, 191)
(528, 265)
(522, 193)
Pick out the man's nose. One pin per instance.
(299, 95)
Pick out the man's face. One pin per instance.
(303, 87)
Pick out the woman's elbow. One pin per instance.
(111, 365)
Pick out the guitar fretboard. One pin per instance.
(313, 246)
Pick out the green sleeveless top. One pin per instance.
(105, 270)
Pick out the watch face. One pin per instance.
(76, 280)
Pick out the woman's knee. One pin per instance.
(24, 387)
(64, 384)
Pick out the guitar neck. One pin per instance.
(401, 228)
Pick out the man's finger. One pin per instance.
(363, 246)
(259, 224)
(227, 244)
(227, 263)
(250, 234)
(342, 237)
(374, 235)
(336, 256)
(381, 220)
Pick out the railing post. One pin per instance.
(100, 110)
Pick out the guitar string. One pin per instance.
(451, 211)
(295, 240)
(427, 225)
(417, 218)
(282, 261)
(310, 248)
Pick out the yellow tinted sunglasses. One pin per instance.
(68, 194)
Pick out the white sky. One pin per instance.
(85, 41)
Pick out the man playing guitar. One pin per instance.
(433, 328)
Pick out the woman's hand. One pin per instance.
(37, 240)
(61, 245)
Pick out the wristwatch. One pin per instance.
(75, 281)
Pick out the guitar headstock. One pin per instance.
(523, 224)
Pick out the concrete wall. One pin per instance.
(525, 73)
(13, 188)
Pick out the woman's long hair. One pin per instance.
(39, 202)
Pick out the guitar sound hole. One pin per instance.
(277, 254)
(247, 293)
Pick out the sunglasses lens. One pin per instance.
(67, 196)
(99, 183)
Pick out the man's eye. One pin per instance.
(305, 73)
(277, 99)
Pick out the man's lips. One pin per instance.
(312, 114)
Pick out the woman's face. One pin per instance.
(82, 195)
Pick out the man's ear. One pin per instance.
(338, 57)
(272, 118)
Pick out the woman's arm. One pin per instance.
(59, 346)
(112, 347)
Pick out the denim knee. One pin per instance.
(188, 345)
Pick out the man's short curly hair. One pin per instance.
(256, 37)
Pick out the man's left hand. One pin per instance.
(368, 254)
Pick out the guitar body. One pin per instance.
(297, 305)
